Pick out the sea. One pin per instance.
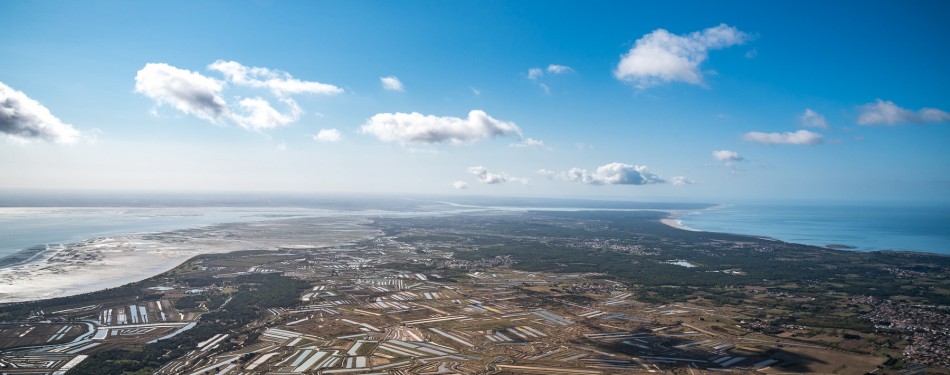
(922, 228)
(860, 227)
(22, 228)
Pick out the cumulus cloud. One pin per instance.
(801, 137)
(728, 159)
(662, 57)
(529, 142)
(608, 174)
(201, 96)
(882, 112)
(558, 69)
(681, 181)
(727, 156)
(391, 83)
(328, 136)
(418, 128)
(258, 114)
(813, 119)
(486, 177)
(186, 91)
(280, 83)
(23, 118)
(459, 185)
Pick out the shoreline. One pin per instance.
(678, 224)
(108, 262)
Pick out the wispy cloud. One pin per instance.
(559, 69)
(279, 82)
(727, 156)
(535, 73)
(391, 83)
(801, 137)
(459, 185)
(882, 112)
(608, 174)
(681, 181)
(418, 128)
(728, 159)
(662, 57)
(23, 119)
(530, 143)
(328, 136)
(257, 113)
(486, 177)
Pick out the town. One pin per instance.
(418, 299)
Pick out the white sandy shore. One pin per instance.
(678, 224)
(102, 263)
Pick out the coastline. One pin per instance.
(107, 262)
(674, 219)
(678, 224)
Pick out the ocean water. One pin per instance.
(916, 227)
(22, 228)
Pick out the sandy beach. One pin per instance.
(108, 262)
(678, 224)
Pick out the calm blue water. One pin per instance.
(868, 227)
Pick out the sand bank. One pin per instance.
(102, 263)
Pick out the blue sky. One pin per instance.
(627, 100)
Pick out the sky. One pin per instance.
(683, 101)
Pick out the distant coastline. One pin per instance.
(99, 262)
(872, 227)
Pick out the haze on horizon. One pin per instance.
(697, 102)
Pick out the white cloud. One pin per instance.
(459, 185)
(186, 91)
(727, 156)
(728, 159)
(813, 119)
(529, 142)
(391, 83)
(535, 73)
(887, 113)
(23, 118)
(558, 69)
(583, 146)
(545, 88)
(282, 146)
(280, 83)
(662, 57)
(418, 128)
(681, 181)
(200, 96)
(486, 177)
(258, 114)
(475, 91)
(328, 136)
(608, 174)
(801, 137)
